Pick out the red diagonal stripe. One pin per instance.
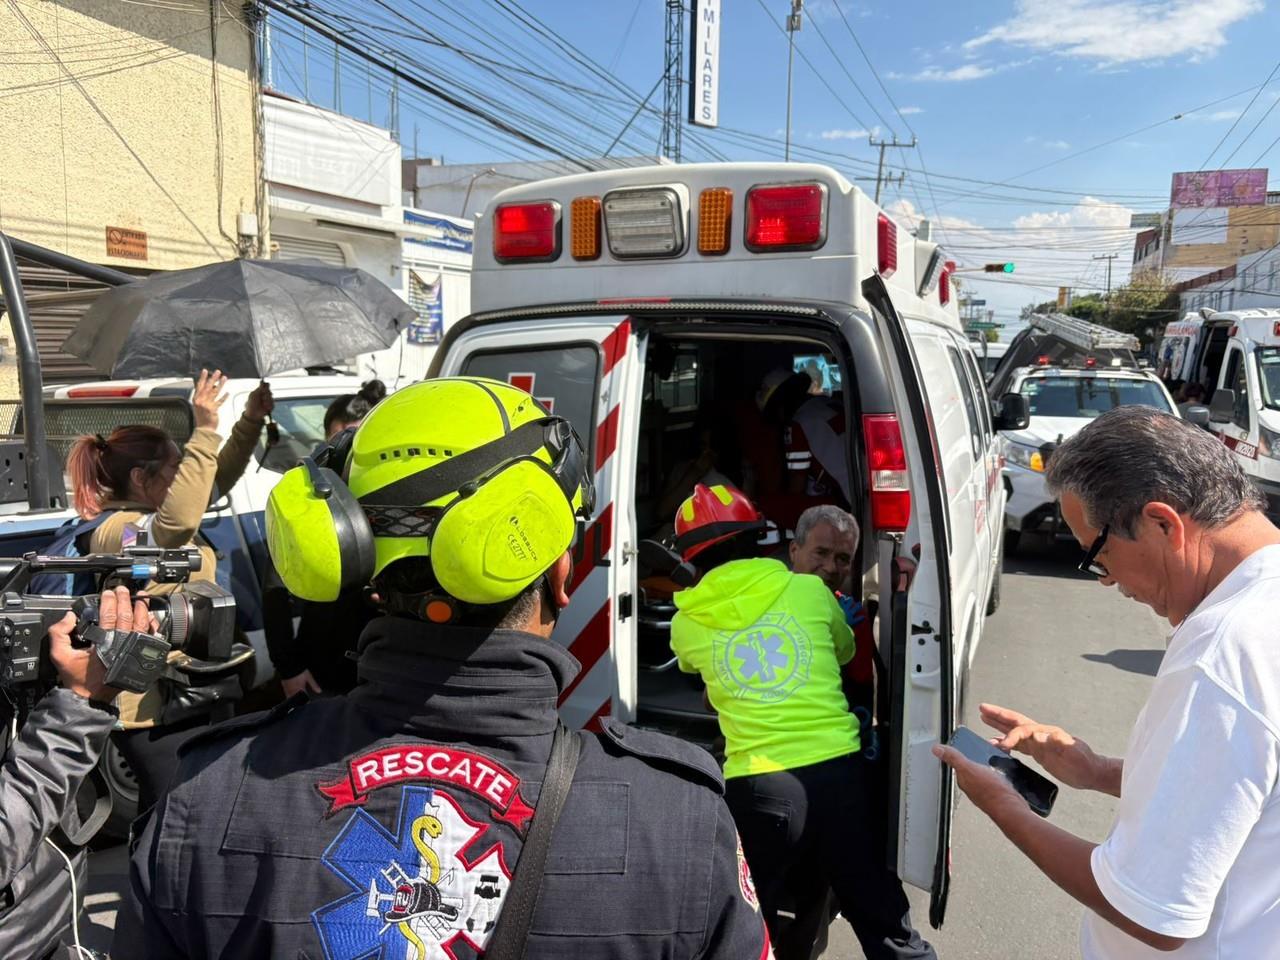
(606, 438)
(589, 646)
(615, 345)
(593, 725)
(595, 544)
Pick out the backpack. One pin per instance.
(66, 543)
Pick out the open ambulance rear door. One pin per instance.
(919, 652)
(588, 370)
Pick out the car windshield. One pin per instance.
(301, 425)
(1089, 396)
(1269, 368)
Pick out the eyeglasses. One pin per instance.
(1090, 564)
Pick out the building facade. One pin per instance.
(131, 131)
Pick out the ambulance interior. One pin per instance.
(700, 422)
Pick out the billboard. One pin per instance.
(1144, 221)
(704, 65)
(1220, 188)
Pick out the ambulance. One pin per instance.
(1176, 355)
(1237, 361)
(648, 306)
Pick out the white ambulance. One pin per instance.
(646, 306)
(1237, 361)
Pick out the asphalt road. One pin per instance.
(1061, 649)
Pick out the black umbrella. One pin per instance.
(248, 318)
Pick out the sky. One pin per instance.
(1042, 125)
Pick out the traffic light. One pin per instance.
(998, 268)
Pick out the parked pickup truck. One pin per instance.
(233, 524)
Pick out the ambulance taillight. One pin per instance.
(886, 246)
(887, 459)
(944, 287)
(528, 232)
(789, 216)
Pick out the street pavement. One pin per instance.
(1061, 649)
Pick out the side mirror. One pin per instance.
(1197, 415)
(1222, 406)
(1012, 412)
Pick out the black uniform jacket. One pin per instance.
(387, 823)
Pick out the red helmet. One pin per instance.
(713, 515)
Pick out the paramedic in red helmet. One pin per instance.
(403, 819)
(769, 645)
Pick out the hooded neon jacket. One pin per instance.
(769, 645)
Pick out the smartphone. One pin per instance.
(1038, 791)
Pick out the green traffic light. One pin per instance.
(1008, 268)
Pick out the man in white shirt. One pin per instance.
(1167, 515)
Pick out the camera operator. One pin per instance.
(44, 765)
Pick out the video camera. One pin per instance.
(199, 620)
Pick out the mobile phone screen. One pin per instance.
(1039, 792)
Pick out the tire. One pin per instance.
(993, 599)
(1012, 539)
(123, 786)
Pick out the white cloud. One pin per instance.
(1051, 249)
(1120, 31)
(970, 71)
(1218, 116)
(911, 111)
(848, 134)
(1057, 145)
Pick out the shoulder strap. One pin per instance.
(512, 931)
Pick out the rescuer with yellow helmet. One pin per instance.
(770, 645)
(417, 810)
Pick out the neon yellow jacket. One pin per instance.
(769, 645)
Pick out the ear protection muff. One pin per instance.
(513, 515)
(318, 535)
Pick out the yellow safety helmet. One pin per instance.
(470, 473)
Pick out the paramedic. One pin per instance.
(391, 821)
(769, 645)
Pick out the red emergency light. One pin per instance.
(886, 246)
(526, 231)
(944, 287)
(101, 393)
(1090, 362)
(1043, 361)
(789, 216)
(890, 487)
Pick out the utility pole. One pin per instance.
(880, 178)
(793, 24)
(1107, 257)
(673, 80)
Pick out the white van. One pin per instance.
(1176, 355)
(645, 305)
(1238, 364)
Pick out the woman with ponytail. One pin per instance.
(350, 408)
(138, 479)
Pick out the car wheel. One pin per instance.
(123, 786)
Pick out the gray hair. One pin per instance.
(1134, 455)
(841, 521)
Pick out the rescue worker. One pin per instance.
(769, 645)
(390, 822)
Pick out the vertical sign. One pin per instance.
(704, 64)
(1064, 297)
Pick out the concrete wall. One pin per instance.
(1247, 230)
(136, 141)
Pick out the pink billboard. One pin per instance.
(1220, 188)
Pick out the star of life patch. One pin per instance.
(418, 888)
